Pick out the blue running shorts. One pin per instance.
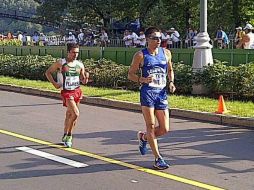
(154, 98)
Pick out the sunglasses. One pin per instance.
(155, 38)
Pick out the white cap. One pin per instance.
(70, 33)
(172, 28)
(248, 26)
(239, 28)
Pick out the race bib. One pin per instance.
(71, 82)
(159, 80)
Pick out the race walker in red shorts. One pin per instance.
(69, 79)
(70, 72)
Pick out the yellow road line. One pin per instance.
(112, 161)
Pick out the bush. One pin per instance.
(103, 73)
(218, 78)
(27, 67)
(183, 78)
(106, 73)
(12, 42)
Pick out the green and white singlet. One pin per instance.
(69, 76)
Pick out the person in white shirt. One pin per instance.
(42, 40)
(135, 40)
(20, 36)
(175, 36)
(164, 39)
(81, 36)
(142, 39)
(104, 38)
(247, 41)
(126, 38)
(71, 38)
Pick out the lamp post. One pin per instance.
(203, 49)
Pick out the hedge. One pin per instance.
(218, 78)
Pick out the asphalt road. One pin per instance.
(202, 155)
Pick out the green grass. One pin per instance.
(236, 108)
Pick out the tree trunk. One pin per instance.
(236, 14)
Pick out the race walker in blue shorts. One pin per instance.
(155, 65)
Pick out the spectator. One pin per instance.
(164, 39)
(195, 37)
(104, 38)
(9, 36)
(221, 38)
(90, 38)
(81, 37)
(20, 36)
(247, 41)
(134, 38)
(127, 39)
(71, 38)
(189, 41)
(175, 37)
(42, 40)
(35, 39)
(142, 39)
(24, 39)
(238, 36)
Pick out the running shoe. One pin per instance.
(64, 139)
(68, 141)
(142, 143)
(160, 164)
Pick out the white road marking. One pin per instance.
(52, 157)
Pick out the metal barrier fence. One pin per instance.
(183, 44)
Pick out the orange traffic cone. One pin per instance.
(221, 107)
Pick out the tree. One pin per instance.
(181, 14)
(24, 7)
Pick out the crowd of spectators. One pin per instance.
(171, 38)
(82, 37)
(243, 38)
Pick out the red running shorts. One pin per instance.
(75, 95)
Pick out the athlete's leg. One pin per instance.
(68, 129)
(72, 115)
(163, 120)
(162, 117)
(75, 122)
(162, 114)
(149, 117)
(67, 116)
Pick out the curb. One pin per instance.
(201, 116)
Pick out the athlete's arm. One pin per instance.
(53, 68)
(135, 65)
(171, 78)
